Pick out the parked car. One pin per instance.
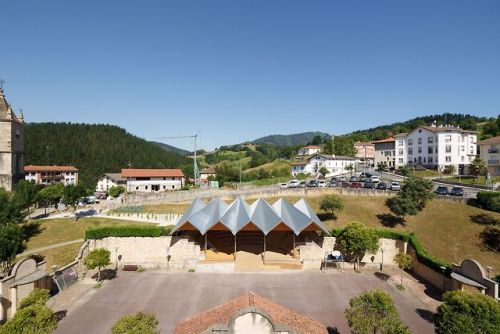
(342, 179)
(356, 185)
(302, 184)
(321, 184)
(395, 186)
(293, 184)
(369, 185)
(375, 178)
(363, 178)
(441, 190)
(346, 184)
(283, 185)
(353, 179)
(333, 184)
(457, 191)
(312, 184)
(382, 186)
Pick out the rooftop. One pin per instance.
(386, 140)
(33, 168)
(152, 173)
(489, 141)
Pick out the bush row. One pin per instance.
(127, 231)
(489, 200)
(422, 254)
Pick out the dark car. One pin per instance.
(441, 190)
(333, 183)
(457, 191)
(356, 185)
(369, 185)
(346, 184)
(353, 179)
(313, 184)
(382, 186)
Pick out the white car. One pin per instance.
(293, 184)
(375, 179)
(321, 184)
(395, 186)
(283, 185)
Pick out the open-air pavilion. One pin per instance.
(258, 228)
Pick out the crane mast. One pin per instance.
(195, 165)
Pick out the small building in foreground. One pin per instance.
(108, 180)
(153, 180)
(250, 313)
(47, 175)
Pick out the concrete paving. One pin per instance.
(175, 296)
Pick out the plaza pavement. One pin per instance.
(175, 296)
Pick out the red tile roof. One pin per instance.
(312, 146)
(152, 173)
(32, 168)
(489, 141)
(223, 314)
(386, 140)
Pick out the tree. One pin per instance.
(139, 323)
(50, 195)
(98, 258)
(356, 239)
(11, 233)
(25, 193)
(317, 140)
(404, 170)
(467, 313)
(404, 262)
(72, 194)
(32, 316)
(328, 147)
(116, 191)
(382, 166)
(331, 204)
(350, 168)
(412, 198)
(344, 146)
(324, 171)
(477, 167)
(374, 312)
(450, 170)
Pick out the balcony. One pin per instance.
(493, 150)
(493, 162)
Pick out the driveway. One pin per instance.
(175, 296)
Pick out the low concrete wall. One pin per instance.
(151, 253)
(427, 274)
(312, 253)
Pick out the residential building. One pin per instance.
(336, 165)
(400, 150)
(108, 180)
(153, 180)
(365, 152)
(47, 175)
(385, 152)
(205, 173)
(440, 146)
(11, 145)
(490, 153)
(309, 150)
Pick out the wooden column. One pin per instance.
(264, 257)
(293, 235)
(235, 246)
(206, 244)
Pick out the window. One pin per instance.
(400, 151)
(462, 148)
(410, 151)
(429, 159)
(419, 141)
(164, 187)
(462, 158)
(430, 140)
(429, 149)
(400, 142)
(448, 149)
(447, 138)
(173, 187)
(400, 160)
(136, 188)
(448, 159)
(410, 141)
(146, 187)
(419, 149)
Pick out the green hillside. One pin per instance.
(171, 148)
(290, 140)
(94, 149)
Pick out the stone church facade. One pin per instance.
(11, 145)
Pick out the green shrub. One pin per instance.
(139, 323)
(489, 200)
(127, 231)
(36, 297)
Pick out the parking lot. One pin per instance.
(175, 296)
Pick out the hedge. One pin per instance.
(127, 231)
(489, 200)
(422, 254)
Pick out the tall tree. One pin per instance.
(477, 167)
(317, 140)
(374, 312)
(25, 193)
(72, 194)
(98, 258)
(50, 195)
(356, 239)
(328, 147)
(344, 146)
(412, 198)
(11, 233)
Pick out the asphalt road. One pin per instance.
(175, 296)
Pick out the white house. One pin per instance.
(47, 175)
(441, 146)
(336, 165)
(153, 180)
(108, 180)
(309, 150)
(205, 173)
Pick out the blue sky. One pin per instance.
(237, 70)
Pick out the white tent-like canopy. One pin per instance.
(238, 214)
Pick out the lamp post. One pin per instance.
(116, 261)
(382, 263)
(488, 269)
(168, 258)
(443, 268)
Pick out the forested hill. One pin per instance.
(290, 140)
(172, 148)
(467, 122)
(94, 149)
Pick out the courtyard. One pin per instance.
(173, 297)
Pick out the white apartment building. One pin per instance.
(108, 180)
(336, 165)
(385, 152)
(309, 150)
(47, 175)
(441, 146)
(153, 180)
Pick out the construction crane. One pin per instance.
(195, 165)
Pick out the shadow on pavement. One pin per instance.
(106, 274)
(60, 315)
(333, 330)
(426, 315)
(382, 276)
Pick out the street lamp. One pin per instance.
(488, 269)
(168, 258)
(116, 261)
(443, 268)
(382, 263)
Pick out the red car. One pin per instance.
(356, 185)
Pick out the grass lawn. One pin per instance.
(427, 173)
(481, 180)
(60, 256)
(444, 227)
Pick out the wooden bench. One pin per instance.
(130, 267)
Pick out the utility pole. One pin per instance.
(195, 164)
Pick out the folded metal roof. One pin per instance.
(238, 214)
